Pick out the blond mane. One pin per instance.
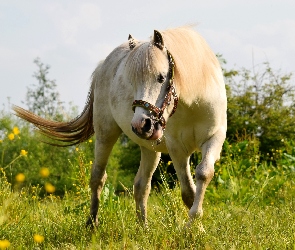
(197, 69)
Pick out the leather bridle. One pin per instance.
(171, 93)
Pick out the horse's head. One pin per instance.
(150, 70)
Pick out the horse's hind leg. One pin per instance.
(205, 170)
(103, 147)
(142, 182)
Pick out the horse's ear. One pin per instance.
(158, 40)
(132, 43)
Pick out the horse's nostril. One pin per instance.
(144, 129)
(147, 125)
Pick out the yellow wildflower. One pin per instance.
(11, 136)
(49, 187)
(77, 149)
(23, 152)
(4, 244)
(38, 238)
(20, 177)
(15, 130)
(90, 162)
(90, 140)
(44, 172)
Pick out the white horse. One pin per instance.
(135, 90)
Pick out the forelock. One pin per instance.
(144, 60)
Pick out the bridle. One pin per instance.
(171, 93)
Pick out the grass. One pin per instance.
(229, 224)
(249, 204)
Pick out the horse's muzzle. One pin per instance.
(148, 129)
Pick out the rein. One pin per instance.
(171, 93)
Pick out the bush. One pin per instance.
(22, 151)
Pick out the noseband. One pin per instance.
(171, 93)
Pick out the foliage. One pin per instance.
(22, 152)
(261, 102)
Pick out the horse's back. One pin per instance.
(104, 96)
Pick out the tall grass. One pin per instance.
(249, 204)
(260, 218)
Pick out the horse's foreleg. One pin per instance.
(103, 149)
(142, 182)
(205, 170)
(181, 164)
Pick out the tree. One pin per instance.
(261, 103)
(42, 98)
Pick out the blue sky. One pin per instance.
(73, 36)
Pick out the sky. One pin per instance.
(72, 36)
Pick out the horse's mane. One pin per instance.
(197, 69)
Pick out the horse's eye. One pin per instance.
(160, 78)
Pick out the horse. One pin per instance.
(167, 95)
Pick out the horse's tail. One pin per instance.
(69, 133)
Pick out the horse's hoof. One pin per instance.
(91, 224)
